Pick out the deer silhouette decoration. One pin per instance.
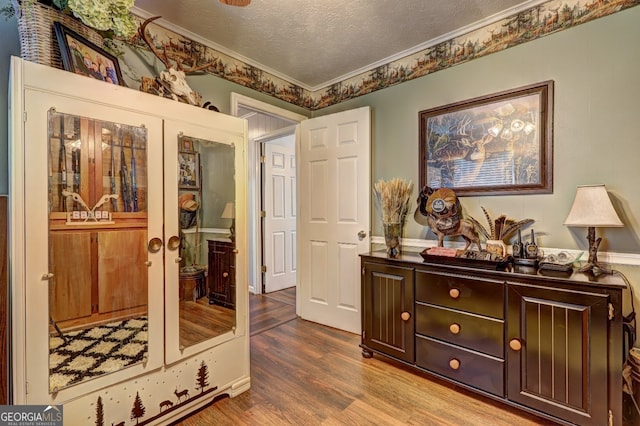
(166, 404)
(183, 393)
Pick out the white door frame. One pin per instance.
(254, 183)
(266, 185)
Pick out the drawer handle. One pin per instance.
(515, 344)
(454, 364)
(405, 316)
(454, 328)
(225, 274)
(454, 293)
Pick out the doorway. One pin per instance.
(265, 122)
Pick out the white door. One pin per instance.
(333, 222)
(280, 219)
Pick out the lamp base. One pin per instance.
(593, 263)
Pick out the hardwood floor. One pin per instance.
(271, 310)
(303, 373)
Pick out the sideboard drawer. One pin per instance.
(478, 296)
(474, 369)
(475, 332)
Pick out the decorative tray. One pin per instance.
(489, 261)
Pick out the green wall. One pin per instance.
(597, 139)
(10, 45)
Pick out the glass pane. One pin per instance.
(206, 210)
(97, 248)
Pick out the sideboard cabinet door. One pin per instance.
(557, 352)
(388, 310)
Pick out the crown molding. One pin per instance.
(492, 19)
(208, 43)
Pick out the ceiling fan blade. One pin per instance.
(236, 2)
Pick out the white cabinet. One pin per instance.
(97, 250)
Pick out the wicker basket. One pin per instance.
(38, 42)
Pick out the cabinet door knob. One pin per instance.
(454, 293)
(515, 344)
(154, 245)
(454, 328)
(173, 243)
(225, 274)
(405, 316)
(454, 364)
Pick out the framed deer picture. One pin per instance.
(492, 145)
(80, 56)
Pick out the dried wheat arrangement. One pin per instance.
(394, 198)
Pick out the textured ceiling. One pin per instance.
(317, 42)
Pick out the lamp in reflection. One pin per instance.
(592, 207)
(229, 212)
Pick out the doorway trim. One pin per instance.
(254, 181)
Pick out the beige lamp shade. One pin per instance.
(229, 211)
(592, 207)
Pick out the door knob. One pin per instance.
(362, 235)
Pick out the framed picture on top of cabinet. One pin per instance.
(497, 144)
(189, 170)
(80, 56)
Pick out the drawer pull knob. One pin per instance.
(454, 364)
(225, 274)
(515, 344)
(454, 328)
(405, 316)
(454, 293)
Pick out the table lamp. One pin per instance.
(229, 212)
(592, 207)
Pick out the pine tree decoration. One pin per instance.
(203, 375)
(99, 412)
(138, 409)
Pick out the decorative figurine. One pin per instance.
(440, 210)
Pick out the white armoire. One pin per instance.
(114, 194)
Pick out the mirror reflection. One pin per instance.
(206, 202)
(97, 248)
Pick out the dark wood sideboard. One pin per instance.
(222, 272)
(550, 344)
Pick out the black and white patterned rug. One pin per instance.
(96, 351)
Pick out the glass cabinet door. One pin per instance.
(201, 296)
(93, 279)
(97, 248)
